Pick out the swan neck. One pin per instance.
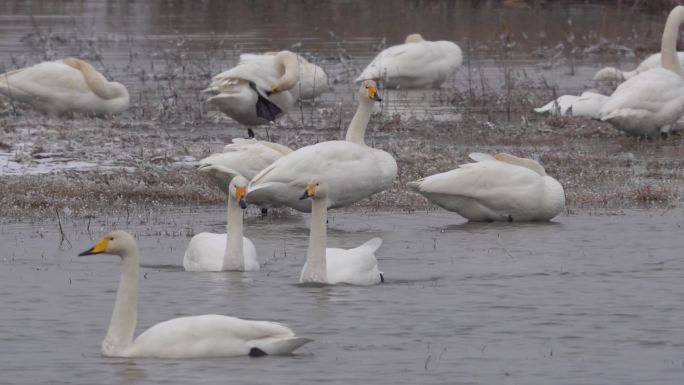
(316, 267)
(290, 77)
(668, 48)
(234, 259)
(357, 128)
(97, 83)
(125, 314)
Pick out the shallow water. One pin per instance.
(590, 299)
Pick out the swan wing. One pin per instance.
(47, 80)
(357, 266)
(481, 157)
(246, 156)
(205, 252)
(351, 170)
(212, 336)
(260, 69)
(654, 95)
(484, 181)
(427, 58)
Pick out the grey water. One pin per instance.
(585, 299)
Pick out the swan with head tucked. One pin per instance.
(588, 104)
(186, 337)
(499, 188)
(417, 63)
(261, 87)
(357, 266)
(651, 102)
(65, 86)
(352, 170)
(231, 251)
(614, 74)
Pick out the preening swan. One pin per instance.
(588, 104)
(230, 251)
(185, 337)
(415, 64)
(653, 61)
(65, 86)
(500, 188)
(651, 102)
(356, 266)
(261, 87)
(244, 157)
(352, 170)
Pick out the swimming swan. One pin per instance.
(612, 73)
(185, 337)
(244, 157)
(352, 170)
(259, 89)
(651, 102)
(356, 266)
(588, 104)
(215, 252)
(415, 64)
(65, 86)
(499, 188)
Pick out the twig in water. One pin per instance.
(61, 231)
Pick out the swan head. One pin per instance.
(369, 90)
(414, 38)
(238, 190)
(315, 189)
(290, 77)
(116, 242)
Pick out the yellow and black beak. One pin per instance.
(373, 94)
(99, 248)
(309, 192)
(240, 193)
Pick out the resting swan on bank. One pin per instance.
(650, 103)
(495, 188)
(185, 337)
(417, 63)
(65, 86)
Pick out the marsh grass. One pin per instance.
(147, 154)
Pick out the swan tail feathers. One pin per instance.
(415, 185)
(277, 346)
(372, 244)
(219, 169)
(480, 156)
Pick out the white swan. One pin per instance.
(185, 337)
(500, 188)
(65, 86)
(352, 170)
(356, 266)
(258, 89)
(415, 64)
(244, 157)
(230, 251)
(653, 61)
(313, 81)
(651, 102)
(588, 104)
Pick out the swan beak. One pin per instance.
(309, 192)
(240, 193)
(373, 94)
(273, 90)
(99, 248)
